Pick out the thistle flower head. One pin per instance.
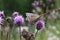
(19, 20)
(2, 14)
(40, 24)
(35, 3)
(15, 14)
(8, 19)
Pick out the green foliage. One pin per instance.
(1, 5)
(21, 6)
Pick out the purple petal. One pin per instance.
(1, 20)
(40, 24)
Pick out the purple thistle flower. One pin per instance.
(35, 3)
(2, 14)
(40, 24)
(15, 14)
(19, 20)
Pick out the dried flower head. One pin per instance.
(8, 19)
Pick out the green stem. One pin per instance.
(2, 32)
(20, 32)
(1, 35)
(36, 33)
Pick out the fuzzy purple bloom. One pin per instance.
(40, 24)
(19, 20)
(35, 3)
(15, 14)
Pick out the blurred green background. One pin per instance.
(21, 6)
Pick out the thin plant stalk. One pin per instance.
(36, 33)
(20, 32)
(8, 32)
(46, 16)
(14, 33)
(8, 35)
(2, 29)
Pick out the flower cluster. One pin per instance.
(50, 4)
(18, 19)
(37, 3)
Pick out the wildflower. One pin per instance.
(8, 19)
(28, 35)
(19, 20)
(40, 24)
(35, 3)
(2, 14)
(15, 14)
